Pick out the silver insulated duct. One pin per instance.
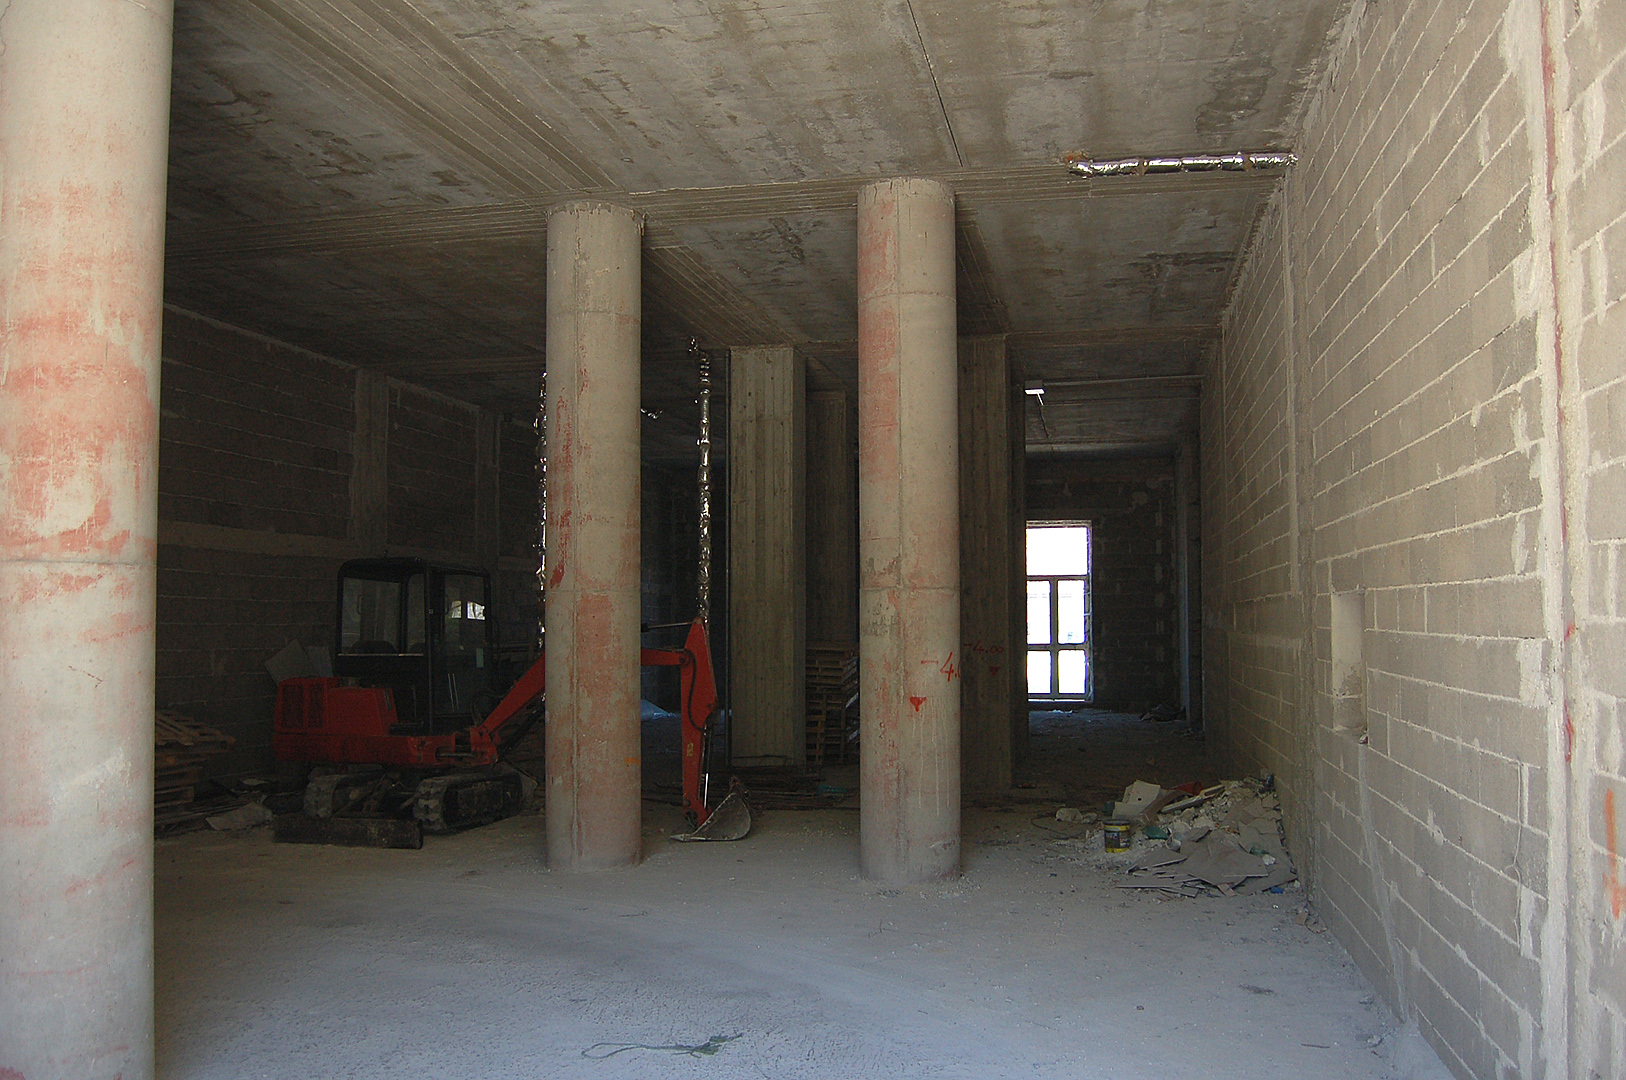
(1244, 161)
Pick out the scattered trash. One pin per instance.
(381, 832)
(1137, 797)
(296, 661)
(1163, 714)
(1309, 921)
(244, 817)
(1116, 836)
(1070, 815)
(1225, 839)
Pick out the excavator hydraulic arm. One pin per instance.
(697, 687)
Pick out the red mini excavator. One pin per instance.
(414, 690)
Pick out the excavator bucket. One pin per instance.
(731, 820)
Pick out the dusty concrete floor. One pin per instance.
(470, 959)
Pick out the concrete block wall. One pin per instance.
(432, 491)
(1412, 492)
(1130, 505)
(262, 466)
(1253, 617)
(1588, 47)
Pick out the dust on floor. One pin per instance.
(768, 957)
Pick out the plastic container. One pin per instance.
(1115, 836)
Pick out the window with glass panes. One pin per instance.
(1058, 559)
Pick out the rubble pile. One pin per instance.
(1225, 839)
(1192, 841)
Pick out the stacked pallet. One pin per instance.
(181, 745)
(832, 699)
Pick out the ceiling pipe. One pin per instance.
(1244, 161)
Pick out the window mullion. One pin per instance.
(1055, 636)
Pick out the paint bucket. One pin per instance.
(1115, 836)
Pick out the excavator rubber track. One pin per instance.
(455, 801)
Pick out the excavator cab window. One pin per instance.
(370, 616)
(421, 630)
(464, 655)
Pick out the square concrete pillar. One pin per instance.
(909, 533)
(767, 606)
(992, 664)
(832, 518)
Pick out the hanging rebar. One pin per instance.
(703, 575)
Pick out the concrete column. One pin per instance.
(767, 597)
(832, 518)
(1017, 523)
(594, 766)
(83, 151)
(908, 533)
(990, 654)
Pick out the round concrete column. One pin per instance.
(594, 767)
(84, 115)
(909, 533)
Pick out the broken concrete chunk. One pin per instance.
(244, 817)
(291, 662)
(1137, 797)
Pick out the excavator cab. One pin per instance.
(421, 630)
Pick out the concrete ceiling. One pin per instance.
(370, 178)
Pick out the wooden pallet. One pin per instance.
(832, 700)
(180, 746)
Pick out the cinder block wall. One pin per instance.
(1136, 624)
(1414, 475)
(263, 460)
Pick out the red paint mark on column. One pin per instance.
(1612, 884)
(917, 702)
(948, 668)
(993, 669)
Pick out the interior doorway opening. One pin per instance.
(1059, 608)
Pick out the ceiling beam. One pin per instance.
(1088, 337)
(379, 229)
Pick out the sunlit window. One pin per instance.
(1058, 562)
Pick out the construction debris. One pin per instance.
(180, 747)
(385, 832)
(244, 817)
(1226, 839)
